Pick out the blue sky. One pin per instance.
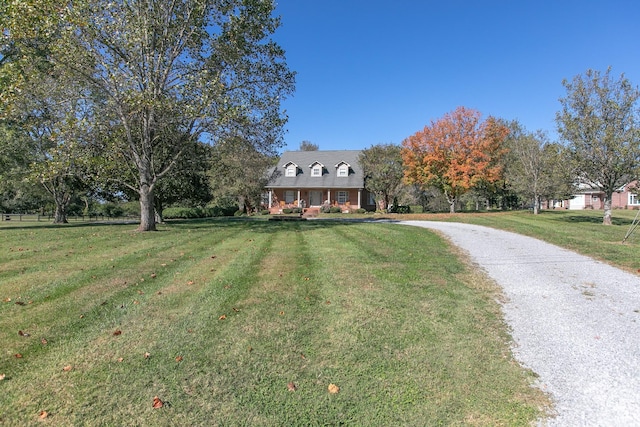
(377, 71)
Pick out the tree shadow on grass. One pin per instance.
(591, 219)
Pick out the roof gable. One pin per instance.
(304, 178)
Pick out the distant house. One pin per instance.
(312, 179)
(588, 198)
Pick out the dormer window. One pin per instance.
(290, 169)
(316, 169)
(342, 169)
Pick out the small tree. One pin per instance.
(599, 121)
(455, 153)
(308, 146)
(382, 168)
(535, 167)
(238, 172)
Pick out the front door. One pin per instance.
(315, 198)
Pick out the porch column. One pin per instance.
(359, 197)
(298, 197)
(270, 198)
(329, 196)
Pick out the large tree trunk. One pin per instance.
(606, 220)
(60, 215)
(147, 209)
(536, 204)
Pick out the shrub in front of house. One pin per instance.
(179, 212)
(335, 209)
(264, 212)
(287, 210)
(360, 211)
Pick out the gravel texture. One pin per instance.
(575, 322)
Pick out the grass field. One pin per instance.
(250, 322)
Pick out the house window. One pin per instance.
(372, 199)
(289, 197)
(291, 170)
(633, 199)
(316, 171)
(343, 170)
(343, 197)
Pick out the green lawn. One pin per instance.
(249, 322)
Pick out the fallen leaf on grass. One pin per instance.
(17, 356)
(67, 368)
(117, 332)
(291, 386)
(23, 334)
(147, 355)
(44, 341)
(120, 359)
(157, 403)
(235, 309)
(179, 359)
(43, 415)
(282, 313)
(20, 303)
(223, 317)
(2, 377)
(153, 275)
(333, 389)
(190, 282)
(7, 299)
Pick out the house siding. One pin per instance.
(593, 199)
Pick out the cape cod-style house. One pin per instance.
(312, 179)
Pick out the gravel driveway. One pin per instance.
(575, 322)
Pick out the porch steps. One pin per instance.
(310, 212)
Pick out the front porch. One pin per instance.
(277, 200)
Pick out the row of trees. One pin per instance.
(137, 98)
(459, 157)
(460, 154)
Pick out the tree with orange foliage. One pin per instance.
(455, 153)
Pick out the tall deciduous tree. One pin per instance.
(536, 168)
(599, 120)
(455, 153)
(171, 72)
(55, 114)
(383, 173)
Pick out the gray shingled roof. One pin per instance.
(329, 178)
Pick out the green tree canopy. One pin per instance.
(170, 73)
(383, 173)
(599, 121)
